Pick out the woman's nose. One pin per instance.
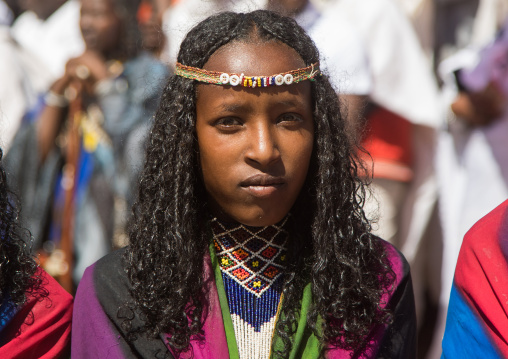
(263, 148)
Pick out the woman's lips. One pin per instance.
(262, 185)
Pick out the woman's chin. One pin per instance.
(260, 218)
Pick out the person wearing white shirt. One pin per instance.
(22, 79)
(50, 30)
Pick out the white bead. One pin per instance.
(288, 79)
(234, 80)
(224, 78)
(279, 80)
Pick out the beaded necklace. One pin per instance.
(252, 262)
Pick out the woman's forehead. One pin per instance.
(256, 58)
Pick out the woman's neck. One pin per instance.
(242, 235)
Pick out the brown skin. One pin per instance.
(287, 7)
(254, 144)
(480, 108)
(42, 8)
(101, 28)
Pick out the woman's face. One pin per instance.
(100, 26)
(255, 144)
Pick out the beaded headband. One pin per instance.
(222, 78)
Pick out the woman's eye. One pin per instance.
(290, 117)
(228, 122)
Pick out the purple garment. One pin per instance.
(103, 308)
(94, 337)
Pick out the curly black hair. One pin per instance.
(18, 269)
(331, 244)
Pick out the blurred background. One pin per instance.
(423, 84)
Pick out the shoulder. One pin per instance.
(100, 294)
(488, 230)
(398, 290)
(105, 314)
(49, 312)
(50, 305)
(54, 311)
(106, 277)
(396, 260)
(484, 247)
(112, 263)
(397, 339)
(103, 288)
(59, 297)
(475, 313)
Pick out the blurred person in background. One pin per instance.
(35, 311)
(422, 16)
(150, 14)
(462, 24)
(396, 93)
(477, 324)
(393, 110)
(22, 76)
(6, 14)
(182, 15)
(473, 153)
(49, 30)
(76, 164)
(348, 74)
(14, 9)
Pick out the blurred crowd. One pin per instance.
(424, 84)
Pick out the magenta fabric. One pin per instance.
(379, 332)
(213, 325)
(94, 337)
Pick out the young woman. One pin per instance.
(35, 312)
(248, 239)
(83, 153)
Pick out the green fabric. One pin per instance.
(226, 315)
(305, 343)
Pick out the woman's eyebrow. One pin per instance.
(291, 103)
(233, 107)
